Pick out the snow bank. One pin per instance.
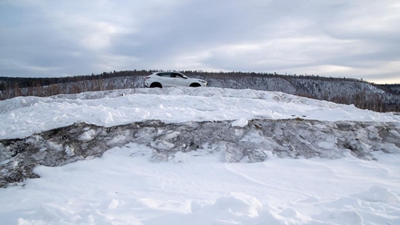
(182, 168)
(238, 141)
(23, 116)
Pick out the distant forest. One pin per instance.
(362, 94)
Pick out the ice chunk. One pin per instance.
(326, 145)
(242, 122)
(69, 150)
(162, 145)
(87, 135)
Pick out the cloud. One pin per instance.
(331, 38)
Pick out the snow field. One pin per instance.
(125, 187)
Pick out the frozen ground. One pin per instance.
(152, 176)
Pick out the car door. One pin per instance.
(166, 79)
(179, 80)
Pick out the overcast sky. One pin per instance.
(338, 38)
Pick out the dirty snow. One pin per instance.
(125, 186)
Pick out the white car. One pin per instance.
(172, 79)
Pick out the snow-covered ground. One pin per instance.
(126, 186)
(23, 116)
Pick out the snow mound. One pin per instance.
(24, 116)
(239, 204)
(378, 194)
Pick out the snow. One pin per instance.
(242, 122)
(127, 186)
(87, 136)
(24, 116)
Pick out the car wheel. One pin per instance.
(156, 85)
(195, 85)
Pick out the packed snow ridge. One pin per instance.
(241, 124)
(235, 141)
(171, 156)
(24, 116)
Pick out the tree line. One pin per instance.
(339, 90)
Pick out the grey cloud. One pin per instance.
(75, 37)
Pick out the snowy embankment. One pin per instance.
(23, 116)
(166, 158)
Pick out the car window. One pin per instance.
(164, 74)
(173, 75)
(176, 75)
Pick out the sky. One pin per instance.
(332, 38)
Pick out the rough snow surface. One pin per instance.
(23, 116)
(124, 187)
(127, 186)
